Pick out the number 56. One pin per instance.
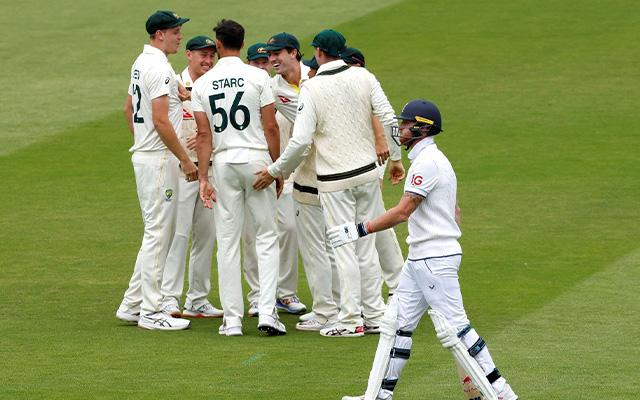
(235, 107)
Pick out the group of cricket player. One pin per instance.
(259, 154)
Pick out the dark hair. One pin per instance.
(230, 33)
(298, 54)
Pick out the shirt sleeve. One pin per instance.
(196, 99)
(383, 110)
(301, 138)
(266, 96)
(422, 178)
(158, 80)
(380, 104)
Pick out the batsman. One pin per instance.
(429, 279)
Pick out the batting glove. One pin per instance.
(346, 233)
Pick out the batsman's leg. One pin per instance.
(448, 336)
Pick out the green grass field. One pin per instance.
(538, 101)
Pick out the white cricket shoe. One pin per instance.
(230, 330)
(125, 314)
(162, 321)
(204, 311)
(253, 309)
(170, 306)
(271, 325)
(353, 397)
(307, 316)
(507, 393)
(291, 305)
(311, 325)
(340, 331)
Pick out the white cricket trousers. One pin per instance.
(195, 219)
(234, 190)
(288, 245)
(319, 262)
(357, 262)
(157, 186)
(430, 282)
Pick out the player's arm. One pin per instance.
(295, 151)
(271, 130)
(204, 145)
(160, 117)
(382, 148)
(128, 112)
(384, 112)
(272, 135)
(349, 232)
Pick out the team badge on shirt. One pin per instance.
(284, 100)
(168, 194)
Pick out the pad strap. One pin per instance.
(477, 347)
(389, 384)
(494, 375)
(397, 352)
(400, 332)
(464, 331)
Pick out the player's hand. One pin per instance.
(207, 194)
(183, 93)
(342, 234)
(382, 151)
(191, 142)
(396, 172)
(279, 186)
(263, 180)
(190, 170)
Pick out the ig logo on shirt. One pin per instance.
(416, 180)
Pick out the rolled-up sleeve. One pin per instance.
(383, 110)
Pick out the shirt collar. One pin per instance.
(229, 60)
(331, 65)
(421, 145)
(148, 49)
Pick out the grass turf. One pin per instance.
(538, 103)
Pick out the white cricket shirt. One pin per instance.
(152, 76)
(286, 94)
(433, 231)
(334, 111)
(232, 94)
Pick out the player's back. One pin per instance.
(232, 94)
(342, 100)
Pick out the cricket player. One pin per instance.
(430, 277)
(334, 112)
(389, 252)
(234, 112)
(154, 114)
(313, 66)
(287, 299)
(192, 217)
(258, 57)
(285, 58)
